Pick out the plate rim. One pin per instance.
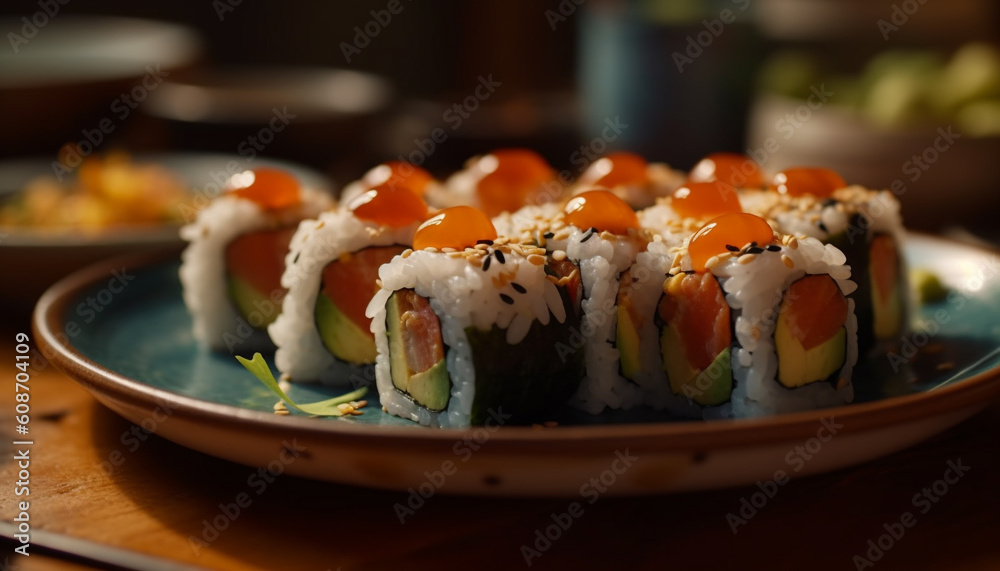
(104, 383)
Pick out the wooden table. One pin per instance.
(160, 495)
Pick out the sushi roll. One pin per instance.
(598, 233)
(864, 224)
(502, 181)
(631, 178)
(231, 269)
(467, 326)
(331, 271)
(751, 322)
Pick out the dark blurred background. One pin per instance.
(671, 79)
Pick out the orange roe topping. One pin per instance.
(514, 178)
(817, 181)
(617, 169)
(388, 205)
(398, 173)
(600, 209)
(272, 189)
(732, 168)
(726, 232)
(705, 200)
(457, 227)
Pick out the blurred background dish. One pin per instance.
(320, 116)
(67, 75)
(38, 255)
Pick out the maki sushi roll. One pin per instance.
(467, 325)
(631, 178)
(502, 181)
(751, 323)
(231, 269)
(598, 233)
(331, 271)
(864, 224)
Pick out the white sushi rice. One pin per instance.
(301, 353)
(602, 257)
(203, 269)
(462, 294)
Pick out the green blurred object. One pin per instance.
(902, 88)
(789, 73)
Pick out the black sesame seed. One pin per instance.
(486, 263)
(753, 244)
(487, 242)
(507, 299)
(755, 250)
(549, 235)
(822, 227)
(774, 248)
(829, 202)
(732, 248)
(499, 256)
(587, 235)
(296, 259)
(518, 287)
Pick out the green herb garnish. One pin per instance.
(258, 366)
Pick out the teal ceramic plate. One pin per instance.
(121, 330)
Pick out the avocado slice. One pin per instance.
(248, 300)
(428, 385)
(627, 333)
(710, 387)
(798, 366)
(627, 342)
(431, 388)
(341, 336)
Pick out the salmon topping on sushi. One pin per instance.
(810, 338)
(695, 338)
